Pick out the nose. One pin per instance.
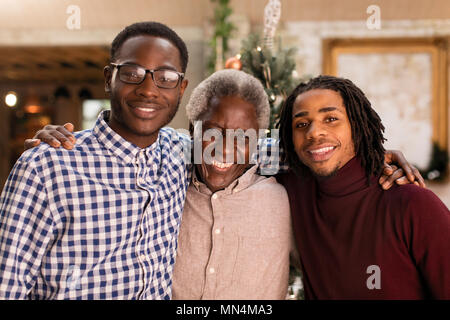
(315, 130)
(223, 152)
(229, 155)
(147, 88)
(236, 151)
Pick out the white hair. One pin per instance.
(229, 82)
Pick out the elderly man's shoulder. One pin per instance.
(269, 187)
(269, 200)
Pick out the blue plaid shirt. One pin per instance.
(97, 222)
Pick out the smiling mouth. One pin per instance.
(220, 166)
(144, 111)
(321, 154)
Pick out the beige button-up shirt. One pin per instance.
(234, 243)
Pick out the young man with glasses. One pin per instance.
(101, 221)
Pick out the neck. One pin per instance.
(142, 141)
(348, 179)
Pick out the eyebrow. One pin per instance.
(325, 109)
(213, 125)
(166, 67)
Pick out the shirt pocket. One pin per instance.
(261, 266)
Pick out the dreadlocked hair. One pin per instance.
(367, 129)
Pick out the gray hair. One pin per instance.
(229, 82)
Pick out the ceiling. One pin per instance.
(53, 64)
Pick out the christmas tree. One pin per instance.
(275, 70)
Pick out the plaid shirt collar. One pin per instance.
(116, 144)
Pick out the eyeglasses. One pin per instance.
(163, 78)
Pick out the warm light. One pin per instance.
(258, 48)
(33, 109)
(33, 104)
(11, 99)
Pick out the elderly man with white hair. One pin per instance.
(235, 234)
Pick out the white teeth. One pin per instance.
(146, 109)
(221, 165)
(321, 150)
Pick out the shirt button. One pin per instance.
(214, 196)
(217, 231)
(211, 270)
(141, 181)
(143, 257)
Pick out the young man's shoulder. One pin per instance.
(416, 200)
(410, 193)
(172, 135)
(45, 152)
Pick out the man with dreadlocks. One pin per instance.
(357, 241)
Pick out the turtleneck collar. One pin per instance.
(349, 179)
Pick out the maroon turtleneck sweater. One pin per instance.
(357, 241)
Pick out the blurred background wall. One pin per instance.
(55, 70)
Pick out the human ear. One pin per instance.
(107, 73)
(183, 85)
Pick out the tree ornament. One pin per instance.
(234, 62)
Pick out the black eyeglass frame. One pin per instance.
(118, 66)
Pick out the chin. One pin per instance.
(324, 172)
(327, 174)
